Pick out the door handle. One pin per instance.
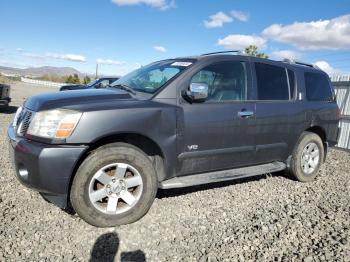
(245, 114)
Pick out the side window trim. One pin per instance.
(288, 83)
(294, 96)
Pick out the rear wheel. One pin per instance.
(307, 157)
(115, 185)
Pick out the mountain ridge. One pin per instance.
(41, 71)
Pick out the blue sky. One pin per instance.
(124, 34)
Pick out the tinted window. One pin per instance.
(226, 81)
(317, 87)
(292, 83)
(272, 82)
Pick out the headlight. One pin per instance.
(58, 123)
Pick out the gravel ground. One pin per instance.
(268, 218)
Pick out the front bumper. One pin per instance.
(44, 168)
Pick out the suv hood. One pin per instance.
(75, 98)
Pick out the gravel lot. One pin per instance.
(268, 218)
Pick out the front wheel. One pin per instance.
(115, 185)
(307, 157)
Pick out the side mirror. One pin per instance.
(198, 92)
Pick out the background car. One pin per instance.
(97, 83)
(4, 95)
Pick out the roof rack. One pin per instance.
(296, 62)
(240, 52)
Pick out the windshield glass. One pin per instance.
(152, 77)
(92, 83)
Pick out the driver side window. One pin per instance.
(227, 81)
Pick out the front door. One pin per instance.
(218, 133)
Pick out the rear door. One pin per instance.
(217, 134)
(275, 93)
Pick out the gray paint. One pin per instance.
(220, 137)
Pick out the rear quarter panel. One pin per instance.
(308, 114)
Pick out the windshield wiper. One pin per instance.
(126, 88)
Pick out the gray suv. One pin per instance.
(174, 123)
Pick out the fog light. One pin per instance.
(23, 173)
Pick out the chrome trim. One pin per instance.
(245, 114)
(23, 122)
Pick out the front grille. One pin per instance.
(24, 121)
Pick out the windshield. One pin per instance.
(92, 83)
(152, 77)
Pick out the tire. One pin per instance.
(303, 167)
(98, 166)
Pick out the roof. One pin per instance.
(296, 63)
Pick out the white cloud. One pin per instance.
(221, 18)
(109, 62)
(239, 15)
(161, 4)
(240, 42)
(217, 20)
(69, 57)
(20, 50)
(48, 55)
(281, 54)
(161, 49)
(325, 66)
(314, 35)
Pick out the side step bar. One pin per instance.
(212, 177)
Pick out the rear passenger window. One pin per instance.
(272, 82)
(317, 87)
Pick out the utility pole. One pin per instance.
(96, 70)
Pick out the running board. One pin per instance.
(212, 177)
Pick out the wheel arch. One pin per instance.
(142, 142)
(320, 131)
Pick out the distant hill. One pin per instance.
(40, 71)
